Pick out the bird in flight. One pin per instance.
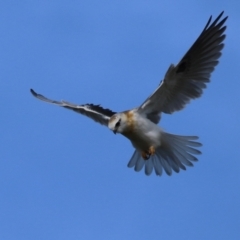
(156, 149)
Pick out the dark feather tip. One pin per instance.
(33, 92)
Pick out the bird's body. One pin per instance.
(154, 148)
(142, 133)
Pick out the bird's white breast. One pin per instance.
(144, 133)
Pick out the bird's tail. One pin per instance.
(175, 153)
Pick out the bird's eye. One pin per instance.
(118, 123)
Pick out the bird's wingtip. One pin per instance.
(33, 92)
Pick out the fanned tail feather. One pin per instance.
(175, 153)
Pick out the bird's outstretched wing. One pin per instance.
(96, 112)
(188, 78)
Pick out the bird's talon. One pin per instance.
(147, 154)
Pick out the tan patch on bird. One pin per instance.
(130, 120)
(147, 154)
(151, 150)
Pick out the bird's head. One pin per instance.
(117, 123)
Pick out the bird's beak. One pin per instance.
(114, 131)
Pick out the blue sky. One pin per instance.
(62, 176)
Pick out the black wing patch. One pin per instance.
(97, 108)
(182, 67)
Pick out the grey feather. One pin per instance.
(188, 78)
(175, 153)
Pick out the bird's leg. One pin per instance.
(147, 154)
(151, 150)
